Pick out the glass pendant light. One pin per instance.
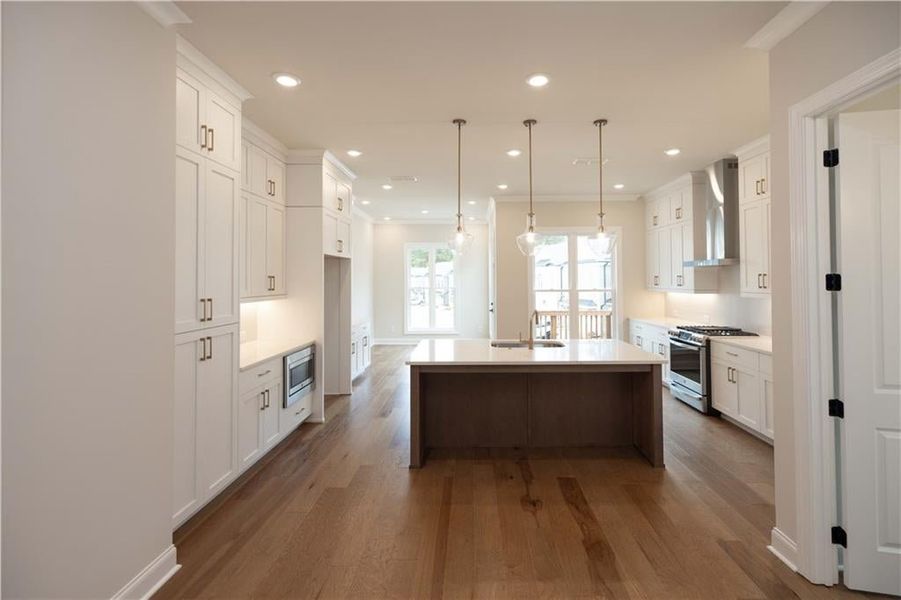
(601, 243)
(528, 239)
(462, 239)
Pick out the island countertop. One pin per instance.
(474, 352)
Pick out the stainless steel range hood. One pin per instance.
(720, 215)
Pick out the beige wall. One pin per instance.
(512, 266)
(839, 40)
(361, 271)
(388, 275)
(88, 304)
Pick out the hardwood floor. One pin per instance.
(336, 513)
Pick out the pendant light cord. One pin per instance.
(459, 123)
(600, 125)
(528, 123)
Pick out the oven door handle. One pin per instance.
(684, 345)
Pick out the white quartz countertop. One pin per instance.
(258, 351)
(759, 343)
(576, 352)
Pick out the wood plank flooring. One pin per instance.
(336, 513)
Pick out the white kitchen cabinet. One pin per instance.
(204, 417)
(754, 236)
(264, 174)
(290, 417)
(263, 247)
(675, 231)
(258, 414)
(742, 387)
(206, 243)
(207, 123)
(360, 349)
(335, 234)
(754, 177)
(652, 338)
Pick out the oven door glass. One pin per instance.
(300, 374)
(686, 361)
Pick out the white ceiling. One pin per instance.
(387, 79)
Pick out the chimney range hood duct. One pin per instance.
(720, 215)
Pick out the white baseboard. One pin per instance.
(151, 578)
(395, 341)
(784, 548)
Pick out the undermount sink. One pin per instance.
(525, 344)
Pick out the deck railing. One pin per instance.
(593, 324)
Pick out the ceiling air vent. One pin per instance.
(404, 179)
(588, 161)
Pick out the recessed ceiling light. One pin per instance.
(471, 202)
(364, 202)
(386, 218)
(538, 80)
(502, 186)
(672, 152)
(514, 152)
(425, 212)
(286, 80)
(387, 186)
(618, 186)
(354, 153)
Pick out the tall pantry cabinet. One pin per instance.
(754, 217)
(207, 201)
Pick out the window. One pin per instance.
(431, 289)
(573, 289)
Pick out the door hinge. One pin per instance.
(836, 408)
(830, 158)
(833, 282)
(839, 536)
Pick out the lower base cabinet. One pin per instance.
(206, 369)
(258, 416)
(360, 349)
(651, 338)
(742, 385)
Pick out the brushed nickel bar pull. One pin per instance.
(763, 186)
(212, 138)
(766, 284)
(264, 373)
(209, 355)
(202, 349)
(203, 136)
(262, 401)
(210, 302)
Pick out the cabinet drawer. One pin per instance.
(766, 364)
(294, 415)
(735, 356)
(252, 378)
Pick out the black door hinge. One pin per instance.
(836, 408)
(830, 157)
(839, 537)
(833, 282)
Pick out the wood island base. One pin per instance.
(536, 406)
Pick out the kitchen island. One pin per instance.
(587, 393)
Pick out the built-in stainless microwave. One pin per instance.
(300, 375)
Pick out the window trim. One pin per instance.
(431, 247)
(617, 232)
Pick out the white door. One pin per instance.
(223, 123)
(329, 233)
(256, 171)
(752, 231)
(185, 486)
(256, 248)
(189, 192)
(219, 250)
(216, 386)
(275, 170)
(870, 359)
(724, 392)
(269, 433)
(250, 407)
(652, 257)
(189, 112)
(677, 270)
(343, 238)
(665, 267)
(275, 247)
(748, 390)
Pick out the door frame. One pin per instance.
(617, 232)
(815, 462)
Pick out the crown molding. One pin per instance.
(689, 178)
(567, 198)
(260, 137)
(758, 146)
(164, 12)
(186, 51)
(318, 156)
(786, 22)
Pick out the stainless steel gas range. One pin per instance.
(689, 348)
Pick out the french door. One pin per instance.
(572, 288)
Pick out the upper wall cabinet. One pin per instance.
(206, 122)
(754, 202)
(264, 174)
(674, 215)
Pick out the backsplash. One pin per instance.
(727, 307)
